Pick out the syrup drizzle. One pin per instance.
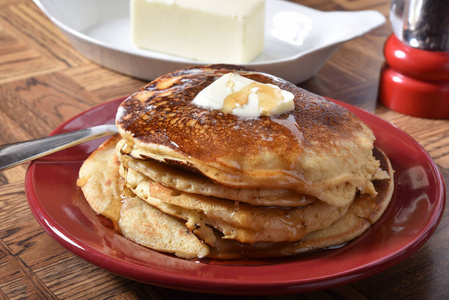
(269, 97)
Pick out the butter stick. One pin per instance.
(214, 31)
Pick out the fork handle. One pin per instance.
(14, 154)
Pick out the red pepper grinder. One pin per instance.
(414, 79)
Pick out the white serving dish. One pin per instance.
(298, 39)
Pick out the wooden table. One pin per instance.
(44, 82)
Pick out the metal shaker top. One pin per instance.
(422, 24)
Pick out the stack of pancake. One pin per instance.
(196, 182)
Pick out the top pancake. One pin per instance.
(318, 149)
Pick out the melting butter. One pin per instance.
(244, 97)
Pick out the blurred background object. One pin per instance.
(422, 24)
(415, 77)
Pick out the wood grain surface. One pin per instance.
(44, 81)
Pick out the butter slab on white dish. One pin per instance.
(298, 39)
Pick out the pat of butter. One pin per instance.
(243, 97)
(215, 31)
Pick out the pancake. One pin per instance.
(319, 149)
(199, 182)
(362, 214)
(149, 227)
(192, 238)
(189, 182)
(239, 221)
(103, 189)
(365, 211)
(100, 181)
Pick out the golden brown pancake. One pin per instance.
(188, 182)
(319, 149)
(362, 214)
(100, 180)
(240, 221)
(204, 183)
(151, 227)
(103, 189)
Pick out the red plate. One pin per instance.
(413, 215)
